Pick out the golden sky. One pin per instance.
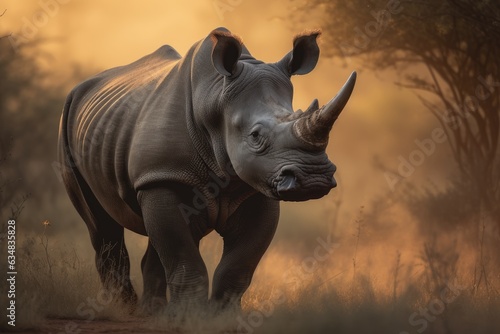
(107, 33)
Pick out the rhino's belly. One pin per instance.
(129, 219)
(117, 207)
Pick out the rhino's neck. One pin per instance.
(205, 122)
(204, 118)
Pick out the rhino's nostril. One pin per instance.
(288, 181)
(287, 173)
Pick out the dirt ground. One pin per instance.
(75, 326)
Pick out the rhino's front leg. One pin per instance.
(185, 271)
(154, 282)
(247, 235)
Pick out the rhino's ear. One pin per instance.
(305, 53)
(226, 52)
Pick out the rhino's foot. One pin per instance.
(130, 303)
(126, 301)
(218, 307)
(152, 306)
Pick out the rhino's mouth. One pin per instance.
(302, 183)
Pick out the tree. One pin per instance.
(30, 105)
(448, 53)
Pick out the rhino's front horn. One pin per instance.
(314, 126)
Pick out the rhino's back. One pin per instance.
(125, 124)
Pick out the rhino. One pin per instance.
(175, 147)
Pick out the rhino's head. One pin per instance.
(277, 151)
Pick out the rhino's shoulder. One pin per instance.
(165, 53)
(149, 63)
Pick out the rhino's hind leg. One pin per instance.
(106, 234)
(154, 297)
(112, 259)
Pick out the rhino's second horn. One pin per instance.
(314, 126)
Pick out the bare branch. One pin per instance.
(7, 35)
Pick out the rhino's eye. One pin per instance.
(257, 141)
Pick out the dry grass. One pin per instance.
(357, 284)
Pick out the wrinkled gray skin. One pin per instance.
(173, 148)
